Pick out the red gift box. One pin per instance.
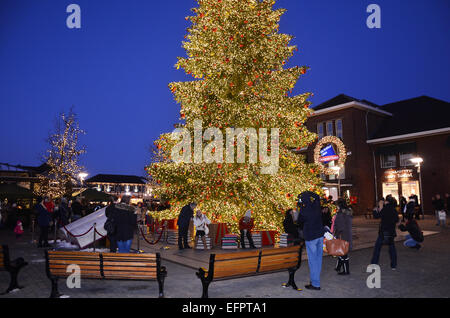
(268, 238)
(171, 224)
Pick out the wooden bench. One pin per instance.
(251, 263)
(113, 266)
(12, 267)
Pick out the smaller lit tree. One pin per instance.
(62, 157)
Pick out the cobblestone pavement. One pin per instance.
(423, 273)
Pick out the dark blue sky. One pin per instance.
(116, 68)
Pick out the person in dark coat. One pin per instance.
(62, 214)
(43, 219)
(77, 209)
(386, 233)
(326, 214)
(291, 227)
(310, 215)
(184, 219)
(403, 203)
(415, 235)
(438, 205)
(109, 211)
(343, 231)
(125, 221)
(12, 216)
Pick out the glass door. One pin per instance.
(410, 188)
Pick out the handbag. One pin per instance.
(206, 230)
(109, 227)
(337, 247)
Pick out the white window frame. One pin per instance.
(388, 164)
(329, 133)
(321, 135)
(405, 162)
(339, 132)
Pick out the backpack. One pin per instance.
(110, 227)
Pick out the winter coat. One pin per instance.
(326, 218)
(125, 221)
(63, 214)
(410, 208)
(50, 206)
(343, 225)
(199, 223)
(389, 218)
(438, 204)
(289, 226)
(292, 228)
(185, 216)
(44, 218)
(246, 225)
(77, 208)
(413, 229)
(310, 215)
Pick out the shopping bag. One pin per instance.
(337, 247)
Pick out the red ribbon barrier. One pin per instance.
(73, 235)
(159, 238)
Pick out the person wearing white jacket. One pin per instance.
(201, 222)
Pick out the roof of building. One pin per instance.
(414, 115)
(342, 99)
(39, 169)
(116, 178)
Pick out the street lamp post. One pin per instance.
(418, 161)
(82, 176)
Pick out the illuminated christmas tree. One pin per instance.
(237, 59)
(62, 158)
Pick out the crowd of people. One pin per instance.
(48, 213)
(307, 223)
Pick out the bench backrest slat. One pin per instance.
(88, 262)
(236, 264)
(105, 265)
(279, 258)
(254, 262)
(130, 266)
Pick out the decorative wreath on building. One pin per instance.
(342, 153)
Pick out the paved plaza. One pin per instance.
(420, 273)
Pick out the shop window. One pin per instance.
(390, 188)
(405, 159)
(339, 130)
(388, 161)
(329, 128)
(320, 130)
(410, 188)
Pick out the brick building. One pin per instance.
(380, 141)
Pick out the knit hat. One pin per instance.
(248, 214)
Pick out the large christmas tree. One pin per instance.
(237, 57)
